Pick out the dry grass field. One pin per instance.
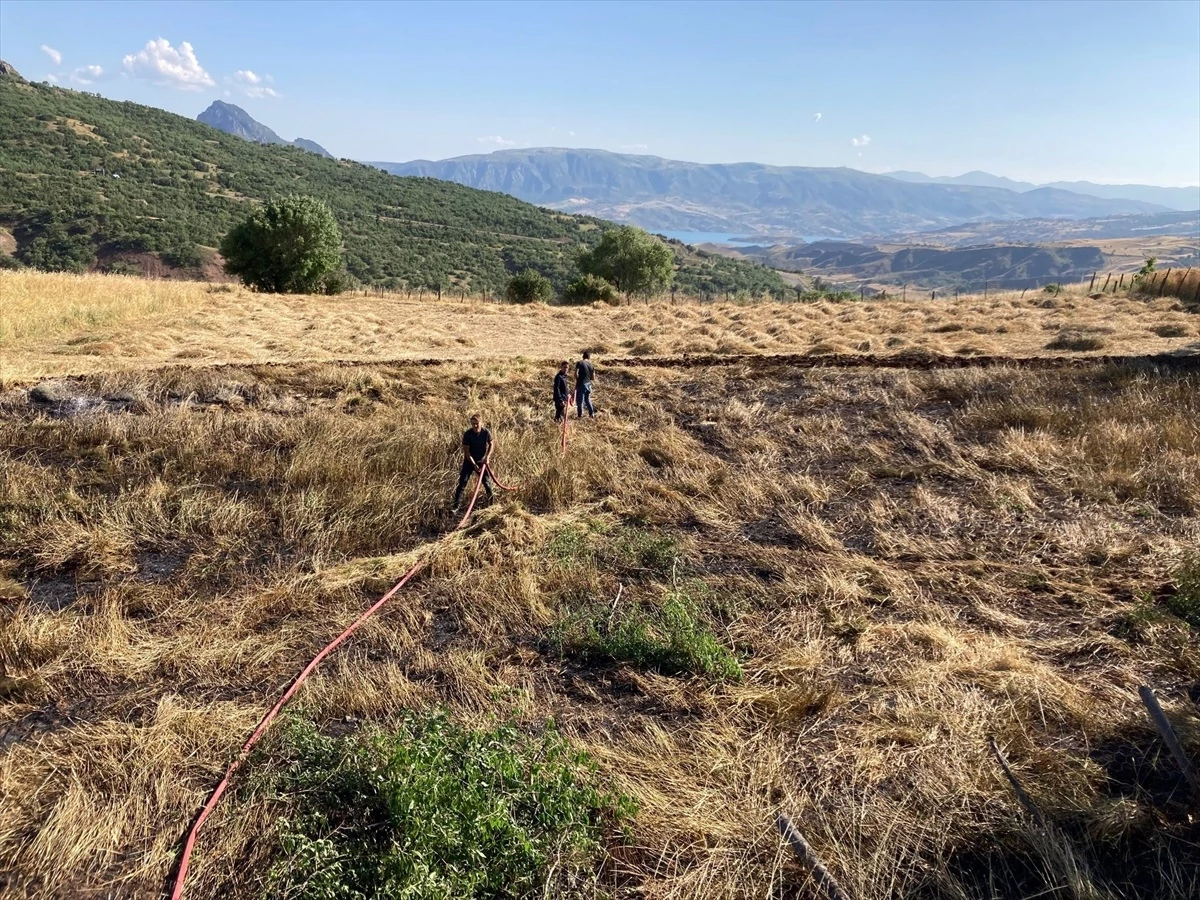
(881, 568)
(57, 324)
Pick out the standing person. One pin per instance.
(561, 392)
(477, 453)
(585, 375)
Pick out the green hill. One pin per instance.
(89, 183)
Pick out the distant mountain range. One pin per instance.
(750, 198)
(236, 121)
(1042, 231)
(1182, 198)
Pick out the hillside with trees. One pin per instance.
(88, 183)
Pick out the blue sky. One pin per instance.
(1038, 91)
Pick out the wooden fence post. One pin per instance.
(1106, 278)
(1121, 283)
(1093, 284)
(904, 293)
(1162, 287)
(862, 292)
(933, 295)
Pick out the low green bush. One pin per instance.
(672, 639)
(434, 811)
(589, 289)
(529, 286)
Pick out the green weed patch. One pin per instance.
(434, 811)
(673, 639)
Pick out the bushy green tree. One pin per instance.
(286, 246)
(529, 287)
(58, 250)
(589, 289)
(632, 260)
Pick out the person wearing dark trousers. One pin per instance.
(477, 453)
(585, 375)
(562, 393)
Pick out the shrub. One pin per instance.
(589, 289)
(671, 639)
(1185, 602)
(184, 255)
(286, 246)
(529, 287)
(434, 811)
(338, 283)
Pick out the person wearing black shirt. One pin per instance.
(561, 393)
(585, 374)
(477, 453)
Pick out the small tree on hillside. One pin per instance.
(528, 287)
(286, 246)
(632, 260)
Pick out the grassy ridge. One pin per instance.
(87, 182)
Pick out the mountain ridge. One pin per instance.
(1183, 199)
(746, 198)
(234, 120)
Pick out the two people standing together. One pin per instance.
(585, 377)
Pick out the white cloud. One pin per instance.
(53, 79)
(571, 134)
(165, 66)
(52, 53)
(252, 84)
(860, 141)
(816, 117)
(86, 74)
(633, 148)
(496, 139)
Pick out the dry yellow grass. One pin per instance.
(58, 324)
(907, 561)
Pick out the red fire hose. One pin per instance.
(214, 798)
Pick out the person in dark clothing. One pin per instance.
(477, 453)
(585, 375)
(562, 393)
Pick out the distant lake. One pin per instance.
(708, 237)
(734, 240)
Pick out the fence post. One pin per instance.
(1121, 283)
(985, 283)
(1093, 284)
(904, 293)
(1163, 285)
(439, 293)
(933, 295)
(862, 292)
(1106, 278)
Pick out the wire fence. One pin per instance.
(1181, 283)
